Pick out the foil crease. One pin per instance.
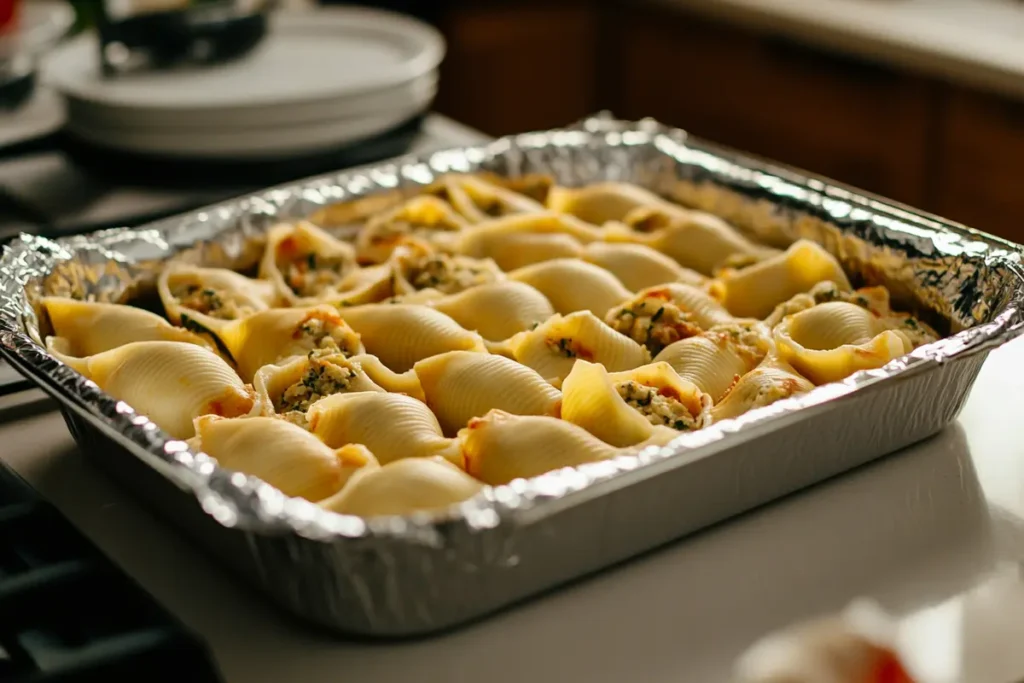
(969, 284)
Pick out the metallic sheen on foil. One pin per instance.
(420, 573)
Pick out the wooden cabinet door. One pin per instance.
(520, 66)
(980, 175)
(855, 122)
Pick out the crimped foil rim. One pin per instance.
(236, 500)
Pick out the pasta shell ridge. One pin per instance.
(460, 385)
(500, 447)
(403, 487)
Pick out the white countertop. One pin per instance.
(935, 534)
(975, 42)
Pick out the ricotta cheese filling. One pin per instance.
(654, 323)
(660, 409)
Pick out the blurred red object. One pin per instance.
(8, 15)
(854, 647)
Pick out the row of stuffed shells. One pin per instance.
(694, 239)
(765, 376)
(348, 480)
(600, 287)
(698, 358)
(634, 251)
(393, 426)
(520, 241)
(352, 420)
(352, 479)
(751, 291)
(693, 300)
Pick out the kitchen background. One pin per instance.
(921, 101)
(917, 100)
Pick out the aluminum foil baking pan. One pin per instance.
(418, 574)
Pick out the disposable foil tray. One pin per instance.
(412, 575)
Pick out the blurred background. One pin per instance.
(916, 100)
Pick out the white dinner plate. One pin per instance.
(323, 57)
(416, 93)
(244, 142)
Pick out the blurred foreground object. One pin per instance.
(26, 32)
(164, 34)
(8, 15)
(857, 646)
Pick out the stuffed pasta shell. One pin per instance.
(553, 347)
(831, 341)
(171, 383)
(875, 299)
(291, 388)
(280, 333)
(86, 328)
(416, 267)
(460, 385)
(392, 426)
(717, 358)
(659, 316)
(425, 217)
(518, 241)
(821, 293)
(756, 290)
(497, 310)
(403, 487)
(396, 382)
(771, 381)
(305, 263)
(283, 455)
(478, 200)
(401, 334)
(500, 447)
(536, 186)
(572, 285)
(603, 202)
(626, 408)
(212, 292)
(694, 239)
(638, 266)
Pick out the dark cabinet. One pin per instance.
(514, 67)
(979, 177)
(517, 66)
(856, 122)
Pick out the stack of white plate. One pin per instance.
(321, 79)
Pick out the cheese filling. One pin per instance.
(654, 323)
(743, 340)
(447, 274)
(567, 347)
(210, 302)
(319, 380)
(390, 232)
(311, 274)
(327, 337)
(659, 409)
